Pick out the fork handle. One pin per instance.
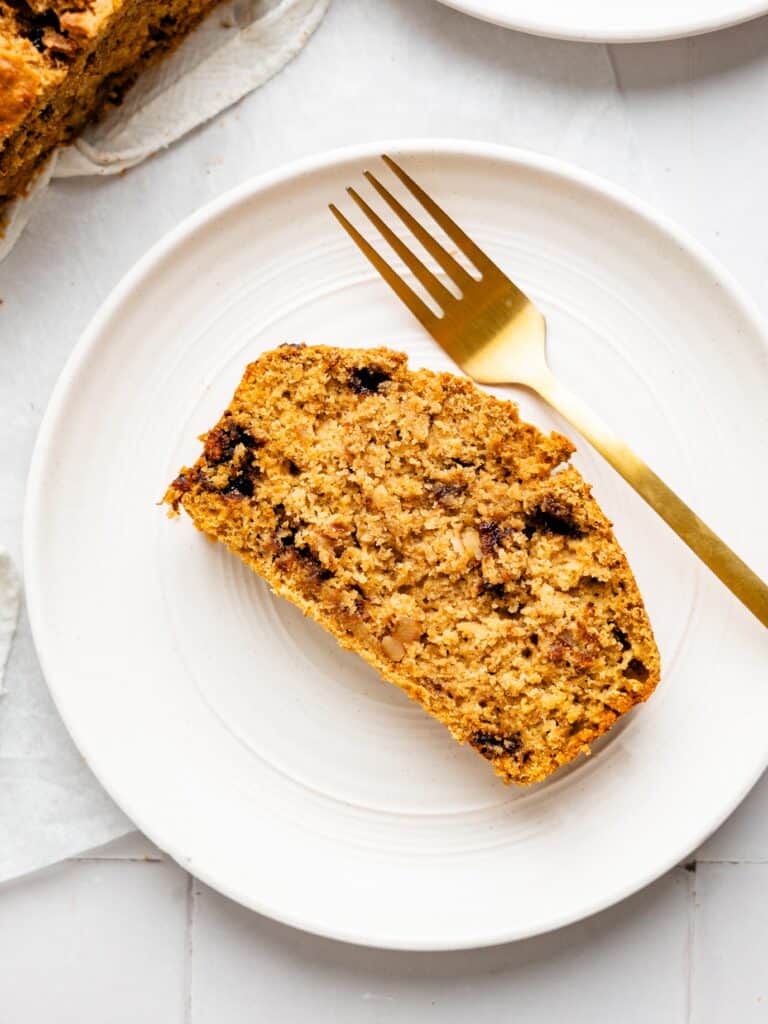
(723, 562)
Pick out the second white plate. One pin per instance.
(620, 21)
(235, 733)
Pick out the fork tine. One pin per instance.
(420, 309)
(434, 286)
(451, 266)
(449, 226)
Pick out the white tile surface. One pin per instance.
(599, 971)
(134, 846)
(744, 837)
(697, 108)
(104, 940)
(730, 975)
(94, 943)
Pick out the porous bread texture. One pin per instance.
(61, 61)
(447, 542)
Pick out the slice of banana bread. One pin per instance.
(428, 528)
(61, 61)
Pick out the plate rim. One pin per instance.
(92, 336)
(485, 10)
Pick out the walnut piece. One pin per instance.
(393, 649)
(79, 24)
(471, 540)
(407, 630)
(57, 43)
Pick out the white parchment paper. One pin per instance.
(10, 599)
(238, 47)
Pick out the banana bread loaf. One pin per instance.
(430, 530)
(61, 61)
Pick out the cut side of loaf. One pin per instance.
(430, 530)
(62, 61)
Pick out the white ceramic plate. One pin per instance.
(236, 734)
(613, 21)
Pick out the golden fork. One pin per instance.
(498, 336)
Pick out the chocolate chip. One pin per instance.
(621, 637)
(31, 25)
(293, 469)
(359, 600)
(221, 442)
(552, 516)
(182, 483)
(284, 534)
(491, 745)
(636, 670)
(241, 485)
(491, 535)
(244, 437)
(492, 589)
(445, 494)
(313, 563)
(35, 36)
(366, 380)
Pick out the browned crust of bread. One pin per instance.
(62, 61)
(447, 542)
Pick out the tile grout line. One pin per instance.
(636, 150)
(731, 860)
(189, 924)
(690, 959)
(155, 859)
(91, 859)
